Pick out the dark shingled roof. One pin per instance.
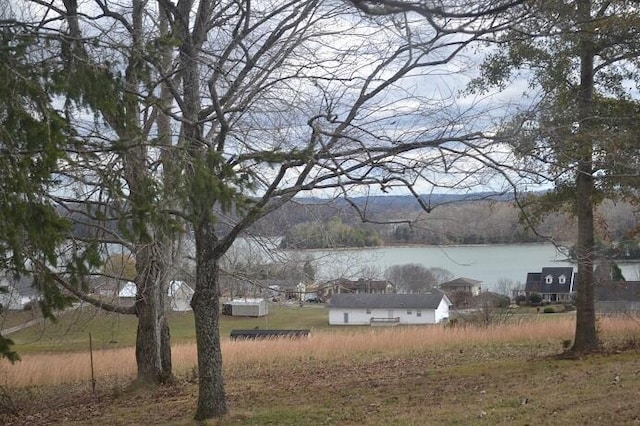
(618, 291)
(385, 301)
(537, 281)
(533, 282)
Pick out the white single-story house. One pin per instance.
(388, 309)
(180, 295)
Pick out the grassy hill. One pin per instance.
(425, 375)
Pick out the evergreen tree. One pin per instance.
(33, 137)
(583, 57)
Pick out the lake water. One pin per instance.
(486, 263)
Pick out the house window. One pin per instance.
(408, 312)
(418, 313)
(562, 279)
(368, 311)
(548, 279)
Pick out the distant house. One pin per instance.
(128, 290)
(617, 297)
(17, 294)
(246, 307)
(554, 284)
(461, 291)
(388, 309)
(111, 288)
(279, 289)
(361, 286)
(462, 285)
(180, 295)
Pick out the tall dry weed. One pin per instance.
(52, 369)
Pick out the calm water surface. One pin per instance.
(487, 263)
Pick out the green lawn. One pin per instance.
(109, 330)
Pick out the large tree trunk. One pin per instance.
(586, 339)
(153, 341)
(206, 307)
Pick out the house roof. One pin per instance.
(618, 291)
(386, 301)
(537, 281)
(532, 284)
(460, 282)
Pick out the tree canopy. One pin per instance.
(194, 120)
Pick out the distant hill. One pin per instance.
(410, 200)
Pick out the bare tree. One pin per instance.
(215, 114)
(581, 57)
(412, 277)
(506, 286)
(295, 99)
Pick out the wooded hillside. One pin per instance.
(399, 220)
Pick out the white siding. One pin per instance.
(442, 312)
(356, 316)
(249, 307)
(361, 317)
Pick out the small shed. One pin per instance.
(245, 308)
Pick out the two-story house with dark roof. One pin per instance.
(554, 284)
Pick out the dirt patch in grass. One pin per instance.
(500, 384)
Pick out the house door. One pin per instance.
(346, 317)
(390, 313)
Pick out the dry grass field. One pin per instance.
(390, 376)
